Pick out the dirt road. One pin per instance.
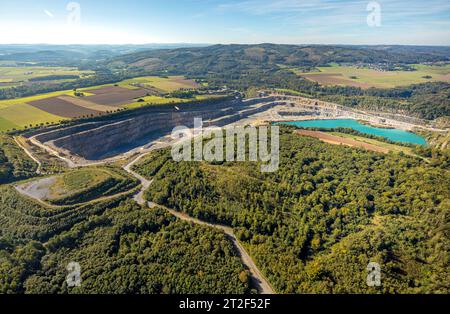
(258, 279)
(139, 198)
(39, 168)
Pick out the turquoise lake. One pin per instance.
(391, 134)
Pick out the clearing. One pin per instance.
(78, 186)
(333, 139)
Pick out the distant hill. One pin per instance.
(219, 58)
(247, 67)
(74, 54)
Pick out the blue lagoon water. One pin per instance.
(391, 134)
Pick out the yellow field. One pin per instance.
(16, 113)
(22, 115)
(9, 102)
(157, 100)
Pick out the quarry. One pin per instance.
(93, 142)
(119, 136)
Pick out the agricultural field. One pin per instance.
(165, 84)
(366, 78)
(78, 186)
(11, 76)
(159, 100)
(18, 113)
(92, 101)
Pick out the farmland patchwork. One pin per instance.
(89, 102)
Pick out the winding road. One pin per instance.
(39, 168)
(257, 278)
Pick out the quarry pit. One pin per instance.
(120, 136)
(109, 139)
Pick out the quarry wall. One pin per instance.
(99, 140)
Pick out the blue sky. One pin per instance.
(424, 22)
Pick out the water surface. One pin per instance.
(395, 135)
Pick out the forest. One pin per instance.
(233, 58)
(121, 247)
(315, 224)
(311, 227)
(427, 100)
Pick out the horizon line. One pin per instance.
(216, 44)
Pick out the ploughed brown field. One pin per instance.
(105, 99)
(333, 139)
(334, 79)
(116, 96)
(62, 108)
(83, 102)
(106, 90)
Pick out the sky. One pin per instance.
(412, 22)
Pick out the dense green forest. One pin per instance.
(121, 247)
(316, 223)
(311, 227)
(14, 163)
